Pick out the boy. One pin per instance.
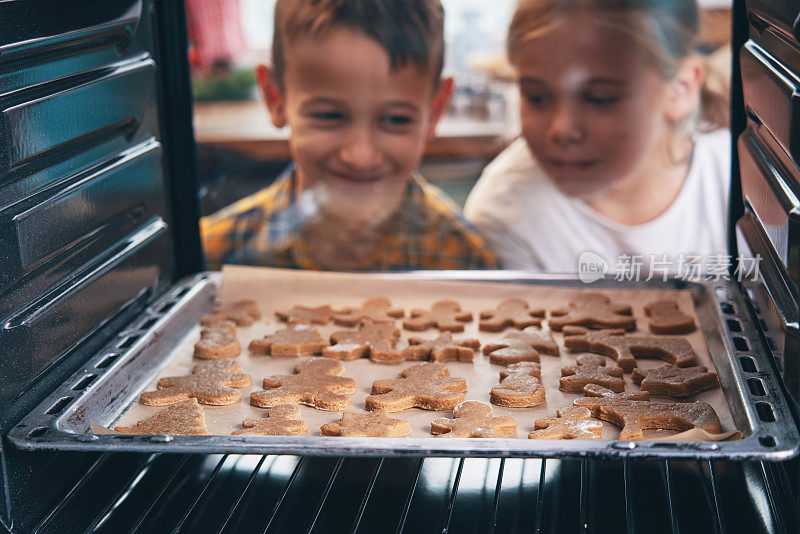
(358, 82)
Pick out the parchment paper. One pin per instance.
(277, 289)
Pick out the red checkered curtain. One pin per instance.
(215, 32)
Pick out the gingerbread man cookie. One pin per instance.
(182, 418)
(445, 315)
(523, 346)
(294, 340)
(667, 318)
(580, 339)
(510, 312)
(316, 382)
(571, 423)
(441, 349)
(377, 310)
(306, 315)
(473, 419)
(590, 369)
(243, 313)
(593, 310)
(218, 340)
(633, 417)
(519, 386)
(426, 385)
(210, 383)
(625, 349)
(675, 381)
(593, 390)
(373, 424)
(375, 341)
(280, 421)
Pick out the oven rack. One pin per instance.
(268, 494)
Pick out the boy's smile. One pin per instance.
(358, 126)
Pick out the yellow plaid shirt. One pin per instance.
(265, 229)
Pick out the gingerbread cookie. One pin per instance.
(377, 310)
(523, 346)
(571, 423)
(243, 313)
(473, 419)
(667, 318)
(510, 312)
(306, 315)
(590, 369)
(593, 390)
(210, 383)
(426, 385)
(445, 315)
(625, 349)
(218, 340)
(441, 349)
(375, 341)
(519, 386)
(316, 382)
(675, 381)
(182, 418)
(294, 340)
(280, 421)
(580, 339)
(593, 310)
(633, 417)
(375, 425)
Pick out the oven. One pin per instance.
(99, 243)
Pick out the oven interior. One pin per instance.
(98, 212)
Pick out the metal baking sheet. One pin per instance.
(106, 389)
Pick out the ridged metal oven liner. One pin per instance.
(111, 380)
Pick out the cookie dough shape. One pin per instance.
(593, 390)
(243, 313)
(519, 386)
(445, 315)
(675, 381)
(441, 349)
(210, 383)
(316, 382)
(633, 417)
(667, 318)
(473, 419)
(590, 369)
(426, 385)
(294, 340)
(280, 421)
(373, 340)
(306, 315)
(625, 349)
(510, 312)
(571, 423)
(218, 340)
(593, 310)
(375, 425)
(182, 418)
(524, 346)
(375, 309)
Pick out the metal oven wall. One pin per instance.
(87, 186)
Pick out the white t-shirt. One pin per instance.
(532, 225)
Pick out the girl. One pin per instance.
(624, 151)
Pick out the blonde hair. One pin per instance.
(667, 30)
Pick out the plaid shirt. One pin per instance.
(266, 229)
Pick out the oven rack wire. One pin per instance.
(268, 494)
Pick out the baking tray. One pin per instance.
(112, 380)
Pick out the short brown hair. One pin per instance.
(411, 31)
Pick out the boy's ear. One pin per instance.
(683, 91)
(265, 77)
(441, 99)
